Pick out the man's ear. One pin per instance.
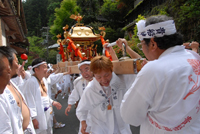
(153, 44)
(36, 69)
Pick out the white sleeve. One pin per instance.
(128, 79)
(5, 125)
(55, 78)
(74, 96)
(30, 94)
(17, 80)
(84, 105)
(134, 108)
(137, 99)
(27, 75)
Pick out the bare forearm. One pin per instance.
(132, 53)
(113, 55)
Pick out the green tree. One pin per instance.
(51, 10)
(110, 11)
(62, 15)
(52, 56)
(35, 49)
(133, 42)
(89, 9)
(186, 14)
(189, 20)
(36, 15)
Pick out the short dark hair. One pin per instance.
(37, 61)
(166, 41)
(8, 52)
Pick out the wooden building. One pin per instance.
(13, 26)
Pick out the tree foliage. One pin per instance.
(36, 15)
(56, 13)
(36, 50)
(110, 11)
(188, 20)
(62, 14)
(51, 9)
(89, 9)
(186, 14)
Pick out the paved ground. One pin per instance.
(71, 121)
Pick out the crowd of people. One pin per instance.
(163, 98)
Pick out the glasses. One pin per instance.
(85, 70)
(139, 45)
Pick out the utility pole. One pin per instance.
(46, 41)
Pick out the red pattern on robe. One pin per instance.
(196, 68)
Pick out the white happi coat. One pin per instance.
(79, 85)
(53, 79)
(66, 83)
(165, 97)
(33, 96)
(103, 120)
(10, 116)
(19, 81)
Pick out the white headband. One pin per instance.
(155, 30)
(85, 62)
(32, 72)
(39, 64)
(50, 68)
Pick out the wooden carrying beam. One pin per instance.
(64, 66)
(128, 66)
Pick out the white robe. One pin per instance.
(27, 75)
(66, 83)
(53, 79)
(33, 96)
(103, 121)
(79, 85)
(19, 81)
(156, 99)
(10, 116)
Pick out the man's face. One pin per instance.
(6, 75)
(85, 72)
(23, 73)
(104, 77)
(42, 70)
(15, 67)
(145, 49)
